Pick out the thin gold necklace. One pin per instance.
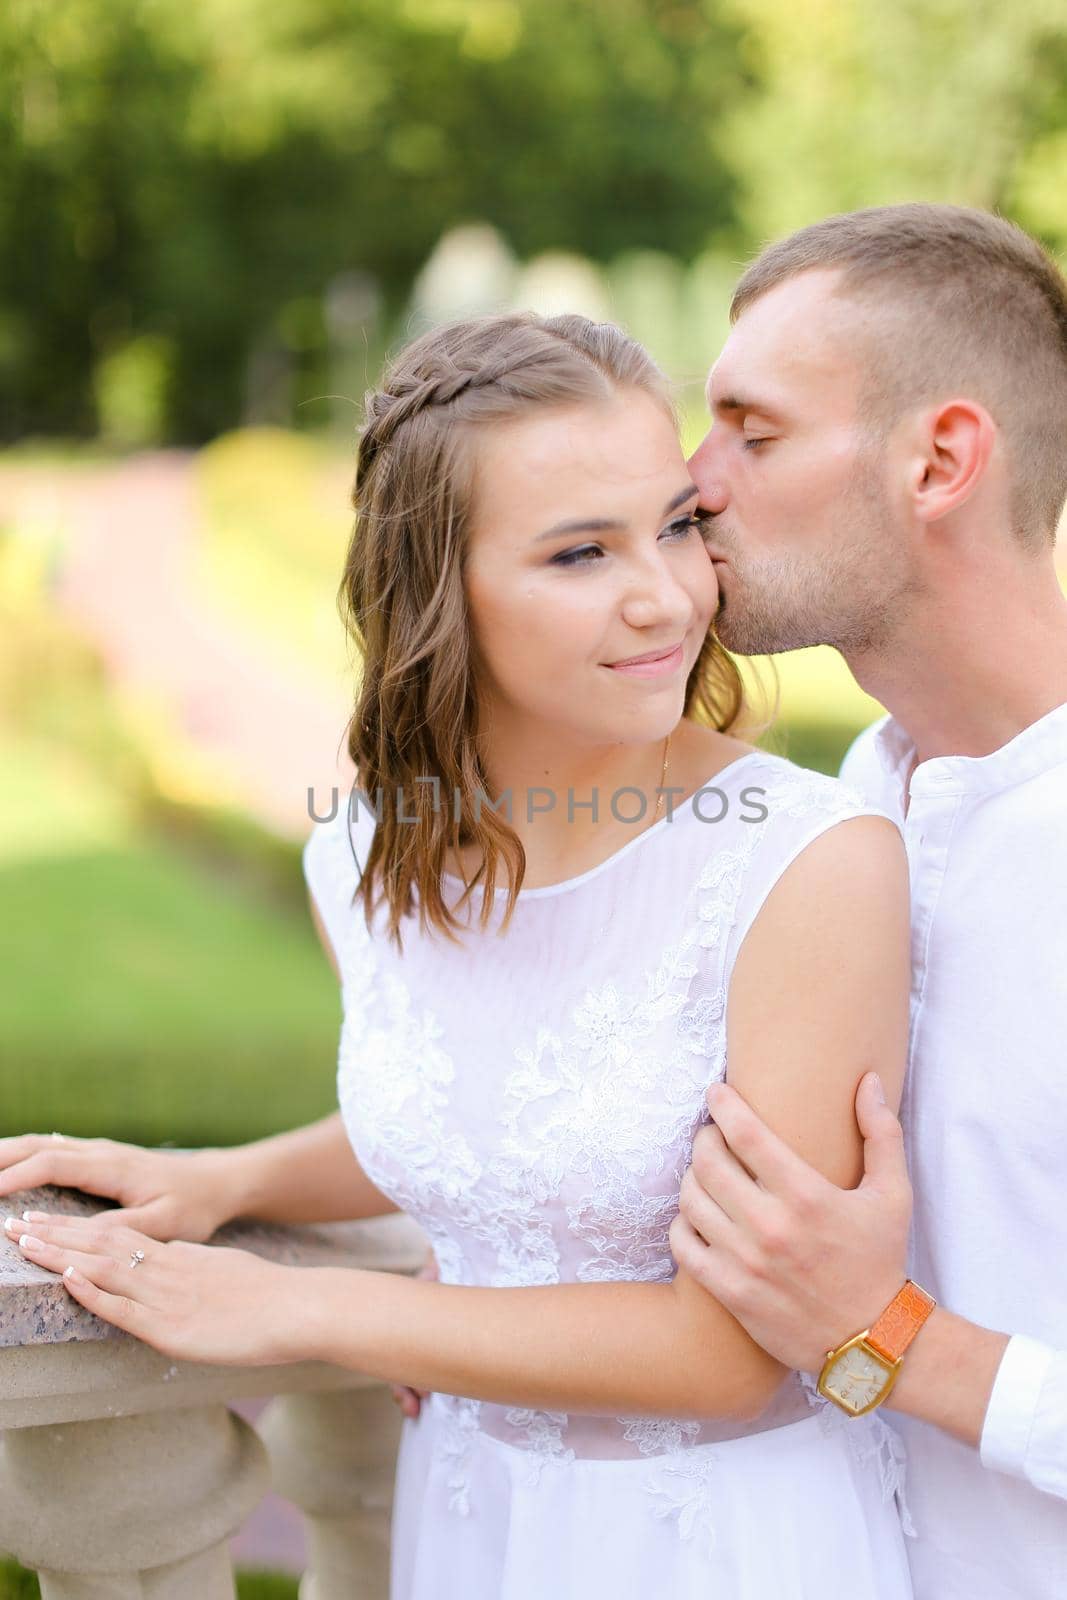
(662, 777)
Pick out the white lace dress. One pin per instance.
(531, 1101)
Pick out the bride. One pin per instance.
(564, 901)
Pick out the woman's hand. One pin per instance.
(410, 1400)
(191, 1302)
(165, 1194)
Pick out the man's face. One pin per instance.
(807, 544)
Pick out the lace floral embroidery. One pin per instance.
(627, 1231)
(684, 1488)
(657, 1436)
(591, 1130)
(457, 1436)
(873, 1442)
(543, 1431)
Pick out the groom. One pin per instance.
(885, 473)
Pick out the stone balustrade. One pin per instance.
(123, 1474)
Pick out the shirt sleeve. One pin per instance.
(1025, 1428)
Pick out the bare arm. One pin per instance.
(308, 1175)
(819, 996)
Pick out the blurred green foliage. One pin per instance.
(18, 1584)
(204, 200)
(198, 171)
(947, 100)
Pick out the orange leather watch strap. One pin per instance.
(901, 1321)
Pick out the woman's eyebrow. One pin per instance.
(611, 524)
(688, 493)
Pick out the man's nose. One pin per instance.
(705, 473)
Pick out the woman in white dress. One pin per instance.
(525, 1075)
(534, 1009)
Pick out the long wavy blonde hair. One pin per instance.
(403, 599)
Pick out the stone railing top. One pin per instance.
(36, 1309)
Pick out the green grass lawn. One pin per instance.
(18, 1584)
(149, 999)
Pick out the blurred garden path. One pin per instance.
(266, 727)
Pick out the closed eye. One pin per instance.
(751, 442)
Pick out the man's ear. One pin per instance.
(954, 445)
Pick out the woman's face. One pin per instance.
(583, 554)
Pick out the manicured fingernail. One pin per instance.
(11, 1223)
(879, 1091)
(74, 1277)
(36, 1216)
(28, 1242)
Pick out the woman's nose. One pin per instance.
(655, 596)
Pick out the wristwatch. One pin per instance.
(860, 1373)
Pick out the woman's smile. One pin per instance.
(656, 664)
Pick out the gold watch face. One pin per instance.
(856, 1378)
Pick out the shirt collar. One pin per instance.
(1037, 748)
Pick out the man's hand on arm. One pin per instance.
(803, 1264)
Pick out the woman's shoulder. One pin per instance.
(802, 811)
(802, 790)
(335, 853)
(713, 759)
(797, 836)
(780, 806)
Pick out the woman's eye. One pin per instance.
(683, 527)
(753, 443)
(588, 554)
(576, 558)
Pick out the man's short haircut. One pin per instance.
(967, 305)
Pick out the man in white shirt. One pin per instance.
(885, 473)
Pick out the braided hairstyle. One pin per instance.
(403, 599)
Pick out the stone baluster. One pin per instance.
(123, 1474)
(139, 1507)
(334, 1457)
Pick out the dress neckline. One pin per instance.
(681, 812)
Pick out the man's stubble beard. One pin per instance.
(847, 595)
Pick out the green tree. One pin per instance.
(196, 172)
(864, 103)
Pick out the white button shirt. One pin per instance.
(985, 1123)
